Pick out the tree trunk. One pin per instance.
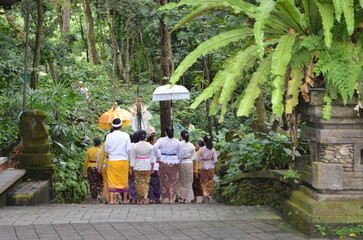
(58, 7)
(207, 77)
(115, 47)
(83, 38)
(66, 20)
(53, 72)
(90, 35)
(38, 43)
(165, 106)
(261, 118)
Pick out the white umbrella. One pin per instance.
(166, 93)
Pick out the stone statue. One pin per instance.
(33, 134)
(35, 156)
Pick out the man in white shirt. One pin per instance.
(118, 146)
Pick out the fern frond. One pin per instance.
(327, 107)
(327, 16)
(338, 9)
(214, 43)
(293, 89)
(262, 14)
(253, 89)
(288, 8)
(280, 59)
(348, 10)
(242, 60)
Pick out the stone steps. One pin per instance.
(29, 193)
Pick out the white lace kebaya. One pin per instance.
(188, 152)
(170, 152)
(207, 157)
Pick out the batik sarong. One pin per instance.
(118, 176)
(133, 193)
(154, 189)
(197, 189)
(185, 181)
(169, 176)
(142, 180)
(95, 182)
(206, 181)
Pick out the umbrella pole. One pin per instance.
(171, 112)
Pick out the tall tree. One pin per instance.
(165, 65)
(93, 55)
(66, 20)
(38, 43)
(123, 72)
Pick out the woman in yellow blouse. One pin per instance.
(90, 170)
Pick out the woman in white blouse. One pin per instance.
(169, 157)
(142, 163)
(185, 182)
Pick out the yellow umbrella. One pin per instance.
(106, 118)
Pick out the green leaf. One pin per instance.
(214, 87)
(282, 54)
(253, 89)
(288, 8)
(223, 112)
(235, 65)
(348, 10)
(280, 59)
(361, 3)
(213, 108)
(312, 15)
(214, 43)
(293, 88)
(262, 14)
(327, 16)
(338, 9)
(238, 6)
(195, 13)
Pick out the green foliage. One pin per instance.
(253, 153)
(209, 45)
(292, 174)
(308, 27)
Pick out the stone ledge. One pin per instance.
(9, 176)
(271, 174)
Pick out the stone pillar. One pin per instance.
(35, 156)
(332, 189)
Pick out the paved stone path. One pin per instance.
(154, 221)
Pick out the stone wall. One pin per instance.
(337, 153)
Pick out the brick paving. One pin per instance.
(154, 222)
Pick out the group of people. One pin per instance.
(141, 169)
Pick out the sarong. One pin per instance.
(206, 181)
(95, 182)
(185, 182)
(133, 193)
(117, 176)
(197, 189)
(154, 190)
(105, 188)
(169, 176)
(142, 180)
